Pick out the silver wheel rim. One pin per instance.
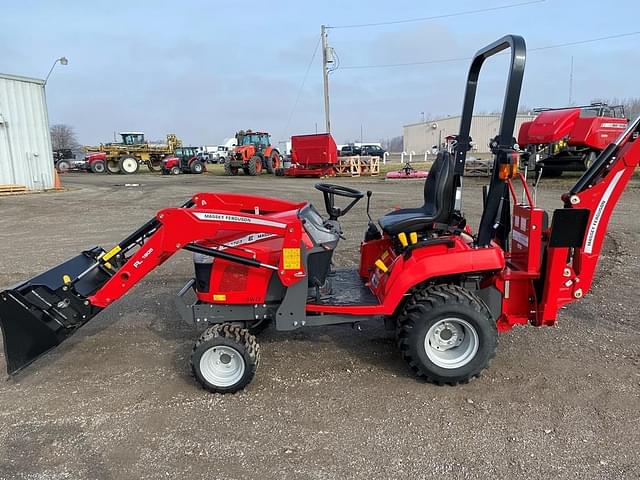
(451, 343)
(222, 366)
(129, 164)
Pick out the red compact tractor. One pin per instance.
(183, 160)
(570, 138)
(445, 289)
(253, 154)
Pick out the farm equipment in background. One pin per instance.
(312, 156)
(444, 289)
(126, 156)
(570, 138)
(64, 160)
(183, 160)
(253, 154)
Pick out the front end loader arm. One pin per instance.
(40, 313)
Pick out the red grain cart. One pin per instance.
(312, 156)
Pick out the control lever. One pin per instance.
(369, 193)
(372, 231)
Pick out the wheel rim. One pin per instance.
(129, 164)
(175, 171)
(222, 366)
(276, 162)
(258, 166)
(197, 168)
(451, 343)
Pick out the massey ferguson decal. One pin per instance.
(595, 221)
(223, 217)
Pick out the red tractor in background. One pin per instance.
(184, 160)
(253, 154)
(570, 138)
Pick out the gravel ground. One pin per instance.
(117, 400)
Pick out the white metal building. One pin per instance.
(422, 137)
(26, 157)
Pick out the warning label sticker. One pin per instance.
(291, 258)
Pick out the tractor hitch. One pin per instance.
(38, 314)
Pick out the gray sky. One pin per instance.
(206, 69)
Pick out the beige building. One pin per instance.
(422, 137)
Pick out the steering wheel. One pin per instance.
(330, 190)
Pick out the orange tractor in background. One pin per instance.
(253, 154)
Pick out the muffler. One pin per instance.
(37, 315)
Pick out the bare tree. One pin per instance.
(394, 144)
(63, 136)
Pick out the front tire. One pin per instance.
(197, 167)
(225, 358)
(228, 169)
(113, 166)
(447, 335)
(154, 164)
(175, 170)
(98, 166)
(128, 164)
(254, 167)
(273, 162)
(63, 166)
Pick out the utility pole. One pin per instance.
(571, 83)
(325, 76)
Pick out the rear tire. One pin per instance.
(229, 170)
(197, 167)
(225, 358)
(447, 335)
(98, 166)
(254, 166)
(63, 166)
(128, 164)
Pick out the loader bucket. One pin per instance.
(37, 315)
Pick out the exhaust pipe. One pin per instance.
(39, 314)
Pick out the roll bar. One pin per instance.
(511, 99)
(496, 212)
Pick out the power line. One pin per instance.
(436, 17)
(304, 80)
(465, 59)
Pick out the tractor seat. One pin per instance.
(439, 191)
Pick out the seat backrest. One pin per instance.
(439, 188)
